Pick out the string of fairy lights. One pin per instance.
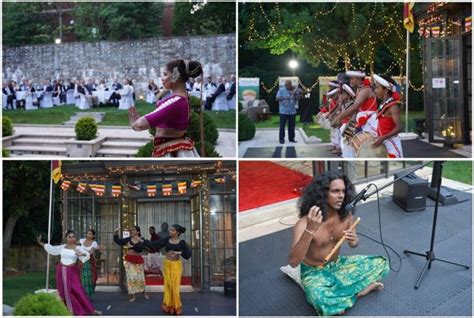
(366, 42)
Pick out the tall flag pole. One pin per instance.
(409, 24)
(55, 177)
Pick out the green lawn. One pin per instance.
(458, 170)
(113, 117)
(14, 287)
(310, 130)
(223, 119)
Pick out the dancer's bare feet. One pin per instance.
(145, 295)
(131, 298)
(372, 287)
(97, 313)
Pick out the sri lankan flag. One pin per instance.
(151, 190)
(116, 190)
(408, 19)
(196, 183)
(56, 170)
(182, 187)
(65, 185)
(167, 188)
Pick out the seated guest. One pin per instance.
(61, 88)
(190, 84)
(151, 92)
(209, 87)
(92, 87)
(83, 89)
(231, 90)
(24, 85)
(115, 96)
(220, 89)
(47, 87)
(9, 91)
(71, 84)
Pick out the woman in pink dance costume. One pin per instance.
(172, 114)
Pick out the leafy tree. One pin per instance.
(336, 34)
(117, 20)
(24, 24)
(26, 187)
(328, 38)
(212, 18)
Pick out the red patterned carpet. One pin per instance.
(264, 182)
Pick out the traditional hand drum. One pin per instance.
(350, 130)
(362, 144)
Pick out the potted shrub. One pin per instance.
(41, 305)
(246, 128)
(7, 126)
(86, 142)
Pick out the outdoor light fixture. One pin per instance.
(293, 64)
(57, 41)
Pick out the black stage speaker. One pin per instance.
(230, 288)
(410, 192)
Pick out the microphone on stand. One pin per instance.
(351, 205)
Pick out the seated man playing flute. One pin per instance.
(332, 283)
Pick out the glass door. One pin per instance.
(443, 90)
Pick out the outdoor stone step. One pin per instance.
(35, 155)
(36, 142)
(37, 150)
(114, 152)
(57, 135)
(128, 139)
(123, 144)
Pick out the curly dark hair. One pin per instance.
(316, 193)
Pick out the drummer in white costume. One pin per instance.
(365, 104)
(346, 96)
(335, 133)
(388, 115)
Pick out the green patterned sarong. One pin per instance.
(87, 279)
(333, 288)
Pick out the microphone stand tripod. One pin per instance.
(429, 255)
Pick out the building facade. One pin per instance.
(199, 195)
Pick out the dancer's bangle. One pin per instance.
(308, 231)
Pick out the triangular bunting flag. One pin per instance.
(65, 185)
(151, 190)
(167, 188)
(182, 187)
(81, 187)
(116, 190)
(99, 190)
(196, 183)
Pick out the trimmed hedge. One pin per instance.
(7, 126)
(41, 305)
(86, 129)
(246, 128)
